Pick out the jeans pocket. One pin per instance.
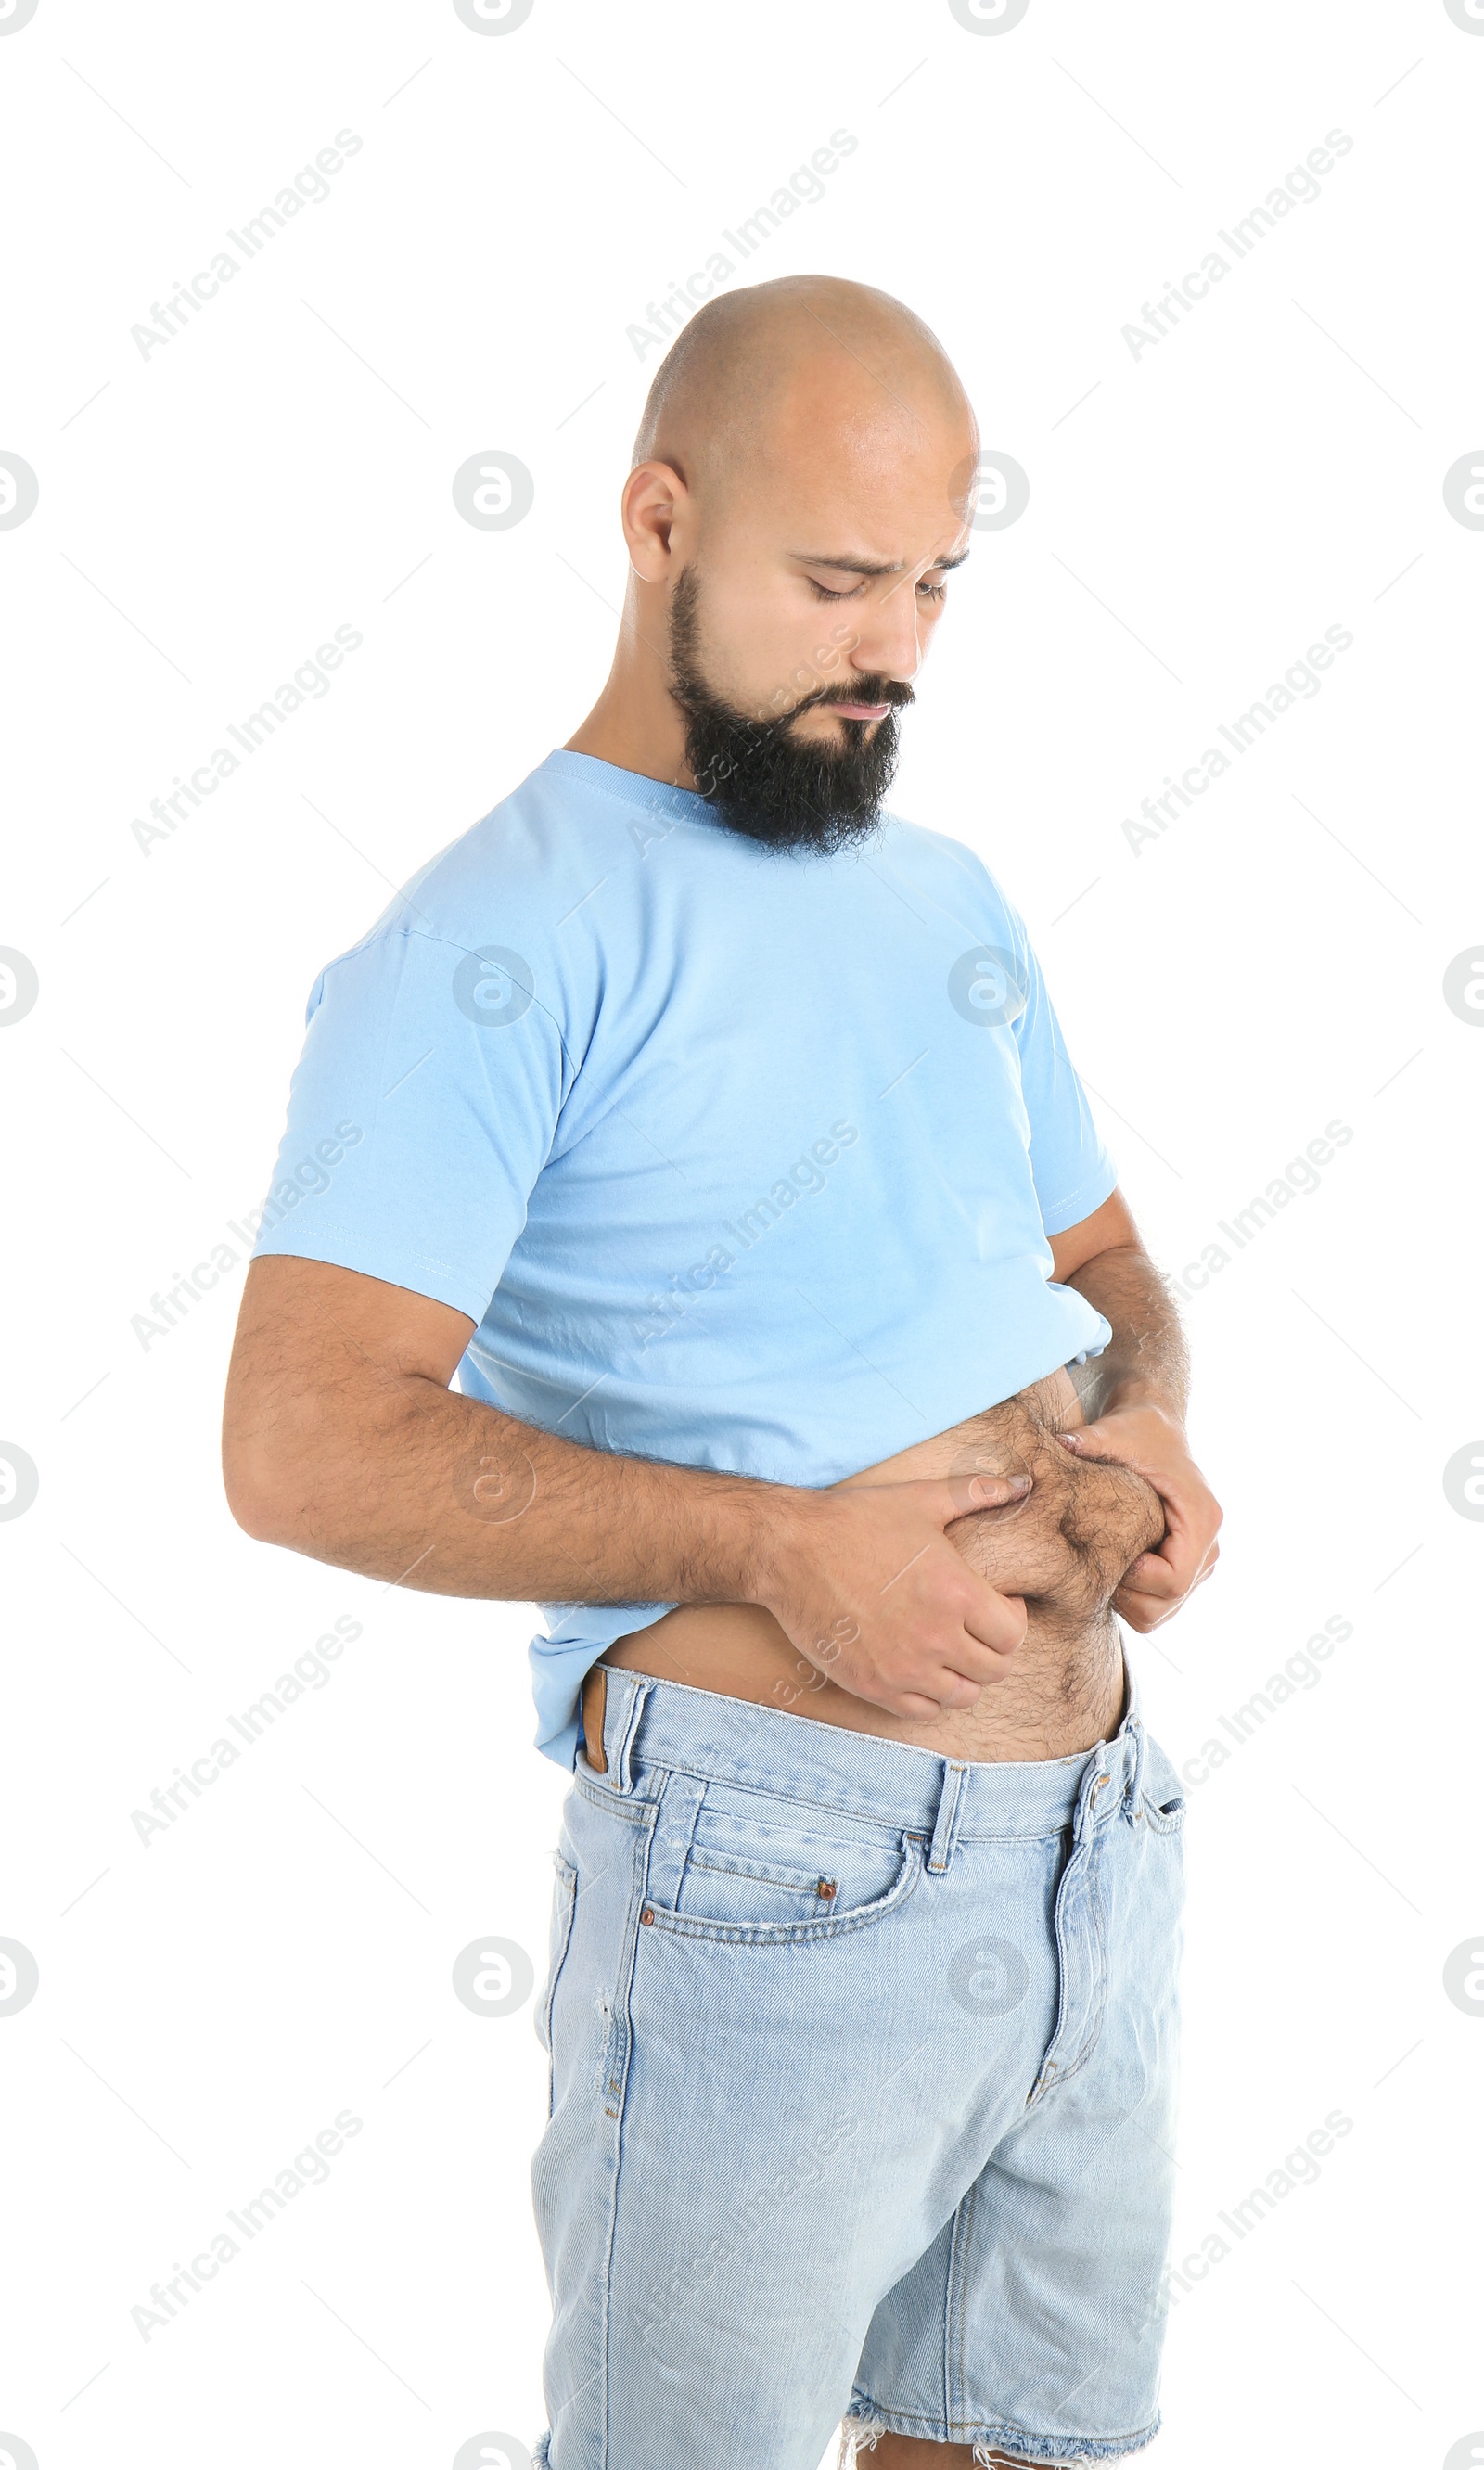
(803, 1889)
(564, 1904)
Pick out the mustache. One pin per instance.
(895, 692)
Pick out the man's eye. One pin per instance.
(822, 593)
(934, 591)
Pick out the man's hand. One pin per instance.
(1153, 1444)
(342, 1440)
(873, 1594)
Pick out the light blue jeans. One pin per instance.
(861, 2093)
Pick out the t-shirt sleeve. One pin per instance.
(421, 1113)
(1073, 1172)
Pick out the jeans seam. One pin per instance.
(1061, 2074)
(708, 1772)
(567, 1879)
(1090, 2448)
(956, 2329)
(1094, 2033)
(613, 1804)
(802, 1882)
(621, 2038)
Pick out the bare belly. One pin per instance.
(1064, 1547)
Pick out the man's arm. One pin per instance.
(341, 1439)
(1135, 1396)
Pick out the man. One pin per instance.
(716, 1128)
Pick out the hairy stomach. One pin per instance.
(1065, 1547)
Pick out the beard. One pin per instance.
(760, 776)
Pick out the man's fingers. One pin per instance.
(1173, 1570)
(1151, 1574)
(957, 1684)
(955, 1495)
(956, 1692)
(994, 1621)
(1089, 1441)
(1143, 1611)
(1155, 1587)
(1085, 1441)
(914, 1702)
(946, 1691)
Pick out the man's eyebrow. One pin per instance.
(871, 565)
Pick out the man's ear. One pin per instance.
(654, 495)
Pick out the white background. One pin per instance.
(1197, 516)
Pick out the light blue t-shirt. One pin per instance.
(737, 1158)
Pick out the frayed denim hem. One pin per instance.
(541, 2456)
(864, 2422)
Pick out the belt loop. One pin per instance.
(945, 1826)
(670, 1847)
(624, 1727)
(1095, 1775)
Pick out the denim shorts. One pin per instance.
(862, 2088)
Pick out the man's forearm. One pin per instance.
(341, 1439)
(1146, 1363)
(345, 1443)
(460, 1499)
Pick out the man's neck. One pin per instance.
(636, 722)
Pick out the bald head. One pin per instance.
(801, 495)
(758, 373)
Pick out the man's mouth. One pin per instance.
(890, 695)
(858, 710)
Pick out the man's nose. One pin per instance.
(889, 642)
